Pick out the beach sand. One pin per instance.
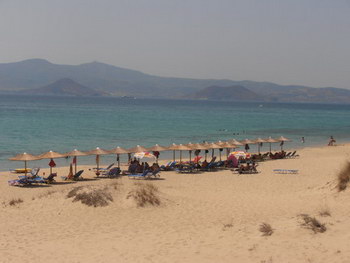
(206, 217)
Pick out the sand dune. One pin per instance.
(207, 217)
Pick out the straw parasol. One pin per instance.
(24, 157)
(118, 150)
(227, 146)
(247, 141)
(157, 148)
(213, 146)
(190, 145)
(137, 149)
(259, 141)
(270, 140)
(181, 148)
(282, 140)
(75, 153)
(51, 155)
(173, 147)
(198, 146)
(98, 151)
(235, 142)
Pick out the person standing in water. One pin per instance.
(303, 139)
(331, 141)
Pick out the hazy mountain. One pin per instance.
(65, 87)
(118, 81)
(232, 93)
(34, 73)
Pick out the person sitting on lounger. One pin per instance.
(205, 164)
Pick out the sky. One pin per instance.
(305, 42)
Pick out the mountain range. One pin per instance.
(35, 76)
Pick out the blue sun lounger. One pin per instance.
(145, 175)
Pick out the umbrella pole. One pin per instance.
(212, 153)
(25, 168)
(270, 147)
(174, 155)
(205, 156)
(75, 165)
(190, 152)
(180, 156)
(220, 154)
(118, 159)
(259, 148)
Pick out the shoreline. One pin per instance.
(185, 157)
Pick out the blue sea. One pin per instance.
(39, 124)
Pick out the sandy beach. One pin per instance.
(205, 217)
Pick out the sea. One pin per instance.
(35, 124)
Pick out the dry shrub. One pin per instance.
(266, 229)
(145, 194)
(90, 197)
(48, 193)
(15, 201)
(74, 191)
(313, 224)
(344, 177)
(114, 184)
(324, 212)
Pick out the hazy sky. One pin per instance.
(285, 41)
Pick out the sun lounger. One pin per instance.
(103, 169)
(185, 169)
(114, 172)
(294, 155)
(141, 175)
(23, 181)
(20, 170)
(286, 171)
(145, 175)
(50, 179)
(75, 177)
(169, 166)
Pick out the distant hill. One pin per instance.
(65, 87)
(33, 73)
(232, 93)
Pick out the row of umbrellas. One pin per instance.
(119, 150)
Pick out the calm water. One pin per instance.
(38, 124)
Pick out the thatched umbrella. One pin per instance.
(190, 145)
(180, 148)
(157, 148)
(213, 146)
(98, 151)
(118, 150)
(24, 157)
(226, 145)
(137, 149)
(51, 155)
(75, 153)
(270, 140)
(246, 142)
(282, 140)
(235, 142)
(198, 146)
(259, 141)
(173, 147)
